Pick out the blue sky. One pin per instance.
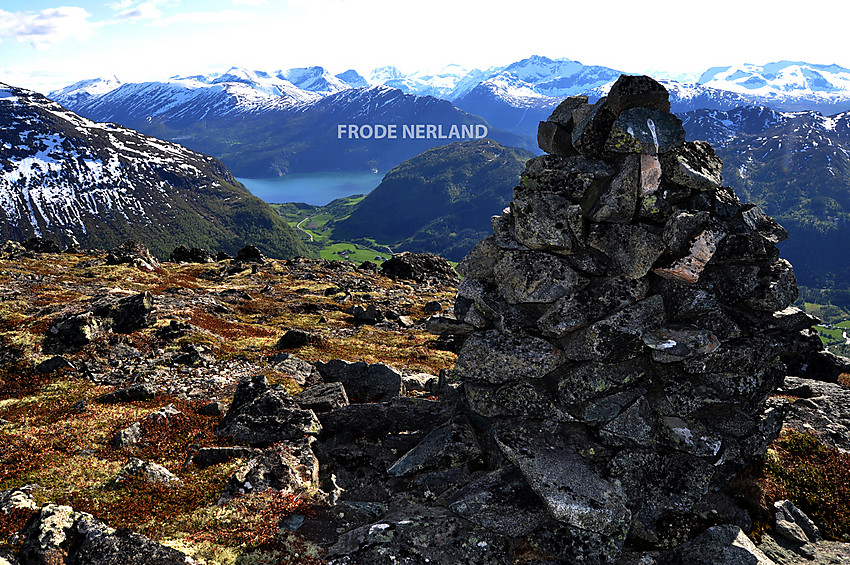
(45, 45)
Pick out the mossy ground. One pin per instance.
(238, 315)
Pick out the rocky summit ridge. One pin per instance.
(620, 339)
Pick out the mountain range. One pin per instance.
(263, 124)
(96, 185)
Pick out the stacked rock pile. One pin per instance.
(631, 317)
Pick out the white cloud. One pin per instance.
(46, 28)
(144, 11)
(250, 2)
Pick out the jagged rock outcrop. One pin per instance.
(631, 319)
(261, 415)
(125, 315)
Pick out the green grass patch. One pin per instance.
(352, 252)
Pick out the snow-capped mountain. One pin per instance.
(559, 78)
(721, 128)
(353, 79)
(314, 79)
(441, 83)
(77, 181)
(779, 79)
(191, 99)
(307, 138)
(786, 85)
(79, 92)
(516, 97)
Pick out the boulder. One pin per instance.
(183, 254)
(293, 339)
(363, 382)
(322, 398)
(41, 245)
(250, 254)
(135, 393)
(261, 415)
(146, 471)
(286, 467)
(125, 315)
(59, 535)
(419, 267)
(134, 253)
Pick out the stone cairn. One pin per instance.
(631, 316)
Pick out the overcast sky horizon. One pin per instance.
(46, 45)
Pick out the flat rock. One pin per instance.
(719, 544)
(450, 445)
(632, 248)
(826, 412)
(534, 277)
(693, 165)
(322, 398)
(501, 501)
(572, 490)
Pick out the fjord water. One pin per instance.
(312, 188)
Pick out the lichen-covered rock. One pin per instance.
(501, 501)
(286, 467)
(647, 131)
(574, 492)
(496, 358)
(145, 471)
(73, 331)
(450, 445)
(59, 535)
(420, 535)
(323, 397)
